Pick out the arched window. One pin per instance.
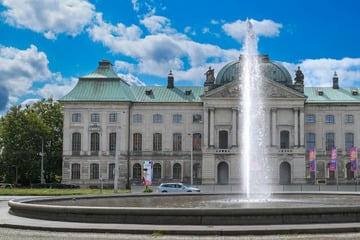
(157, 171)
(95, 143)
(137, 171)
(349, 174)
(177, 171)
(197, 171)
(76, 143)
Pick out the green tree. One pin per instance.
(22, 131)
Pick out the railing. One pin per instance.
(222, 150)
(285, 150)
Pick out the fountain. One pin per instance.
(253, 156)
(254, 207)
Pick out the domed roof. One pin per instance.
(271, 70)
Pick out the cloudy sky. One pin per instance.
(45, 45)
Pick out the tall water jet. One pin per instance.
(252, 120)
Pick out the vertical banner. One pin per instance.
(353, 159)
(148, 170)
(312, 159)
(332, 167)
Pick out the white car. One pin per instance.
(176, 187)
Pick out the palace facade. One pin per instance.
(185, 130)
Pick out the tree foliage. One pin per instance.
(22, 133)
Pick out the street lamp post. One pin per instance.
(116, 172)
(191, 159)
(42, 179)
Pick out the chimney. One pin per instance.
(170, 80)
(335, 81)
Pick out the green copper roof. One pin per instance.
(164, 94)
(104, 85)
(331, 95)
(104, 70)
(99, 90)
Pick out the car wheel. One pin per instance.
(164, 191)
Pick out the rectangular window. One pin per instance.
(157, 142)
(95, 117)
(113, 117)
(349, 118)
(197, 142)
(329, 119)
(177, 142)
(112, 142)
(349, 141)
(137, 118)
(76, 117)
(111, 170)
(177, 118)
(75, 171)
(76, 143)
(157, 118)
(310, 140)
(329, 141)
(197, 118)
(95, 143)
(310, 118)
(94, 171)
(137, 142)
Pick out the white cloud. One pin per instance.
(131, 79)
(158, 24)
(49, 17)
(319, 72)
(23, 74)
(124, 66)
(20, 68)
(57, 88)
(163, 50)
(238, 29)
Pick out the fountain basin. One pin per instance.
(192, 209)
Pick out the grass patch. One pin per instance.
(54, 191)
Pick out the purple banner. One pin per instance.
(353, 159)
(312, 160)
(332, 167)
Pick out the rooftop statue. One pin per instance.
(299, 78)
(210, 76)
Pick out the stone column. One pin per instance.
(301, 127)
(212, 126)
(234, 127)
(273, 127)
(296, 127)
(85, 134)
(206, 127)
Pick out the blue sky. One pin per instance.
(45, 45)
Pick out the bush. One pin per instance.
(148, 190)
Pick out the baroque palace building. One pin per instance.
(174, 126)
